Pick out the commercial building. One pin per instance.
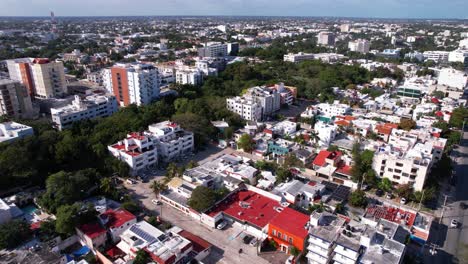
(92, 106)
(213, 50)
(326, 38)
(133, 83)
(437, 56)
(14, 99)
(10, 131)
(43, 78)
(359, 45)
(163, 247)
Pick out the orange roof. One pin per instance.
(342, 123)
(392, 125)
(349, 118)
(384, 129)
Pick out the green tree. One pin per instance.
(282, 175)
(458, 115)
(106, 185)
(67, 218)
(14, 233)
(386, 185)
(246, 143)
(158, 187)
(295, 251)
(404, 190)
(407, 124)
(131, 206)
(202, 198)
(358, 198)
(142, 257)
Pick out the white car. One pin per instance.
(454, 223)
(289, 260)
(221, 225)
(403, 200)
(156, 202)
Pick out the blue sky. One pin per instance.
(351, 8)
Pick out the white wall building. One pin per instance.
(437, 56)
(256, 104)
(453, 78)
(326, 38)
(10, 131)
(298, 57)
(335, 109)
(191, 76)
(325, 132)
(459, 55)
(463, 43)
(171, 140)
(359, 45)
(247, 108)
(91, 107)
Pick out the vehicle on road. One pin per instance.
(454, 223)
(253, 242)
(156, 202)
(379, 192)
(403, 200)
(389, 196)
(289, 260)
(221, 225)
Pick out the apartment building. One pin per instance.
(171, 140)
(459, 55)
(137, 150)
(92, 106)
(437, 56)
(133, 83)
(247, 108)
(10, 131)
(163, 247)
(407, 158)
(335, 109)
(359, 45)
(256, 104)
(15, 100)
(326, 38)
(43, 78)
(192, 76)
(291, 57)
(213, 50)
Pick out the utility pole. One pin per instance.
(443, 209)
(462, 131)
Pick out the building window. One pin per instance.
(279, 234)
(273, 232)
(290, 240)
(285, 237)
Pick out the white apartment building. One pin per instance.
(459, 55)
(213, 49)
(14, 99)
(437, 56)
(324, 229)
(408, 157)
(163, 247)
(106, 75)
(95, 77)
(43, 78)
(10, 131)
(204, 67)
(92, 106)
(453, 78)
(325, 38)
(325, 132)
(171, 140)
(132, 83)
(335, 109)
(247, 108)
(422, 109)
(298, 57)
(463, 44)
(137, 150)
(345, 28)
(193, 76)
(359, 45)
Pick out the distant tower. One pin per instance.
(53, 22)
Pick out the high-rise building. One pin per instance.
(43, 78)
(14, 99)
(359, 45)
(213, 50)
(133, 83)
(326, 38)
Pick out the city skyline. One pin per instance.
(335, 8)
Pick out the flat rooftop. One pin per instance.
(249, 206)
(392, 214)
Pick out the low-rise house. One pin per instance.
(116, 222)
(92, 235)
(10, 131)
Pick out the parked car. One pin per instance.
(289, 260)
(221, 225)
(389, 196)
(156, 202)
(253, 242)
(454, 223)
(247, 239)
(379, 192)
(403, 200)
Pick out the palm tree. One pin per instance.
(158, 187)
(106, 185)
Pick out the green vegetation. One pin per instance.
(202, 198)
(358, 199)
(142, 257)
(246, 143)
(14, 233)
(458, 115)
(407, 124)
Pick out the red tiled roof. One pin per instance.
(136, 135)
(268, 131)
(344, 169)
(342, 123)
(92, 230)
(384, 129)
(439, 113)
(115, 252)
(291, 221)
(435, 100)
(325, 154)
(250, 207)
(199, 244)
(117, 218)
(392, 214)
(35, 225)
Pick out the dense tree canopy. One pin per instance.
(202, 198)
(14, 233)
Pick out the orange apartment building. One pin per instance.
(289, 229)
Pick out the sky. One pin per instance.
(341, 8)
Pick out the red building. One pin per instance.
(288, 229)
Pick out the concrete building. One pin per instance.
(359, 45)
(43, 78)
(10, 131)
(247, 108)
(463, 44)
(137, 150)
(345, 28)
(256, 104)
(213, 50)
(459, 55)
(15, 100)
(453, 78)
(91, 107)
(291, 57)
(193, 76)
(326, 38)
(171, 140)
(437, 56)
(335, 109)
(133, 83)
(325, 132)
(163, 247)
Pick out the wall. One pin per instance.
(62, 244)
